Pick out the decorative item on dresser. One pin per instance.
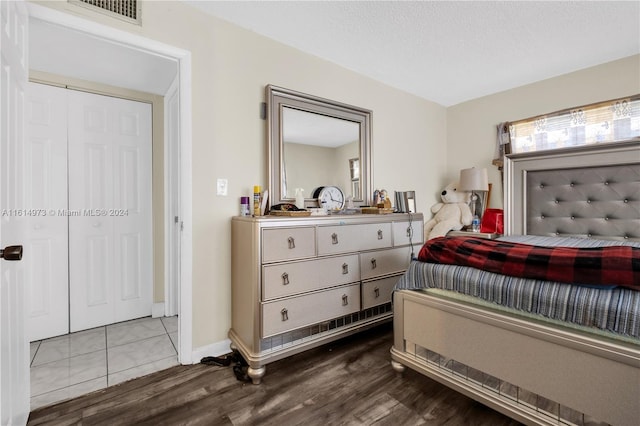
(298, 283)
(329, 197)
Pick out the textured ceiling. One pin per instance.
(447, 51)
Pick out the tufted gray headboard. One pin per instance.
(587, 192)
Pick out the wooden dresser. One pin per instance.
(301, 282)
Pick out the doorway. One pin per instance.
(177, 176)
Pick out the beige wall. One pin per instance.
(322, 159)
(330, 166)
(417, 145)
(471, 126)
(231, 67)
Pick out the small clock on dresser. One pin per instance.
(329, 197)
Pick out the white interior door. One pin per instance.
(14, 346)
(110, 229)
(47, 267)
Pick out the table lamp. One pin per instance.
(474, 180)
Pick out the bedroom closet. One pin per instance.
(88, 205)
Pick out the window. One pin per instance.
(613, 121)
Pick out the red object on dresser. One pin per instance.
(492, 221)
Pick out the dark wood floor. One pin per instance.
(348, 382)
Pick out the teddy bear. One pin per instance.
(451, 214)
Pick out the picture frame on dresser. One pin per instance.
(405, 201)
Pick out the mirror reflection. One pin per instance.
(319, 150)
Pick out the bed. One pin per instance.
(517, 347)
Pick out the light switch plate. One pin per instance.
(222, 185)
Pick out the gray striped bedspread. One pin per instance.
(615, 310)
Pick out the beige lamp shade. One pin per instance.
(473, 179)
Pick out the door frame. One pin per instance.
(183, 62)
(171, 200)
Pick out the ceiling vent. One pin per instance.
(127, 10)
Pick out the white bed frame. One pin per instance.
(589, 374)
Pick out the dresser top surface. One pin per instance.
(350, 219)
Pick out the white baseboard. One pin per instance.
(214, 349)
(157, 310)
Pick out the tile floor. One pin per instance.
(74, 364)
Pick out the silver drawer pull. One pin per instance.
(374, 264)
(334, 238)
(345, 300)
(285, 279)
(376, 291)
(345, 269)
(409, 232)
(285, 314)
(379, 234)
(292, 242)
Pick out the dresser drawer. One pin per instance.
(403, 231)
(300, 311)
(288, 243)
(383, 262)
(286, 279)
(342, 238)
(378, 292)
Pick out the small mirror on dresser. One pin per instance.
(316, 142)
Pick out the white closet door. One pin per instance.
(46, 202)
(110, 237)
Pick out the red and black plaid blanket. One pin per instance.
(608, 266)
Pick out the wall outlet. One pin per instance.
(222, 186)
